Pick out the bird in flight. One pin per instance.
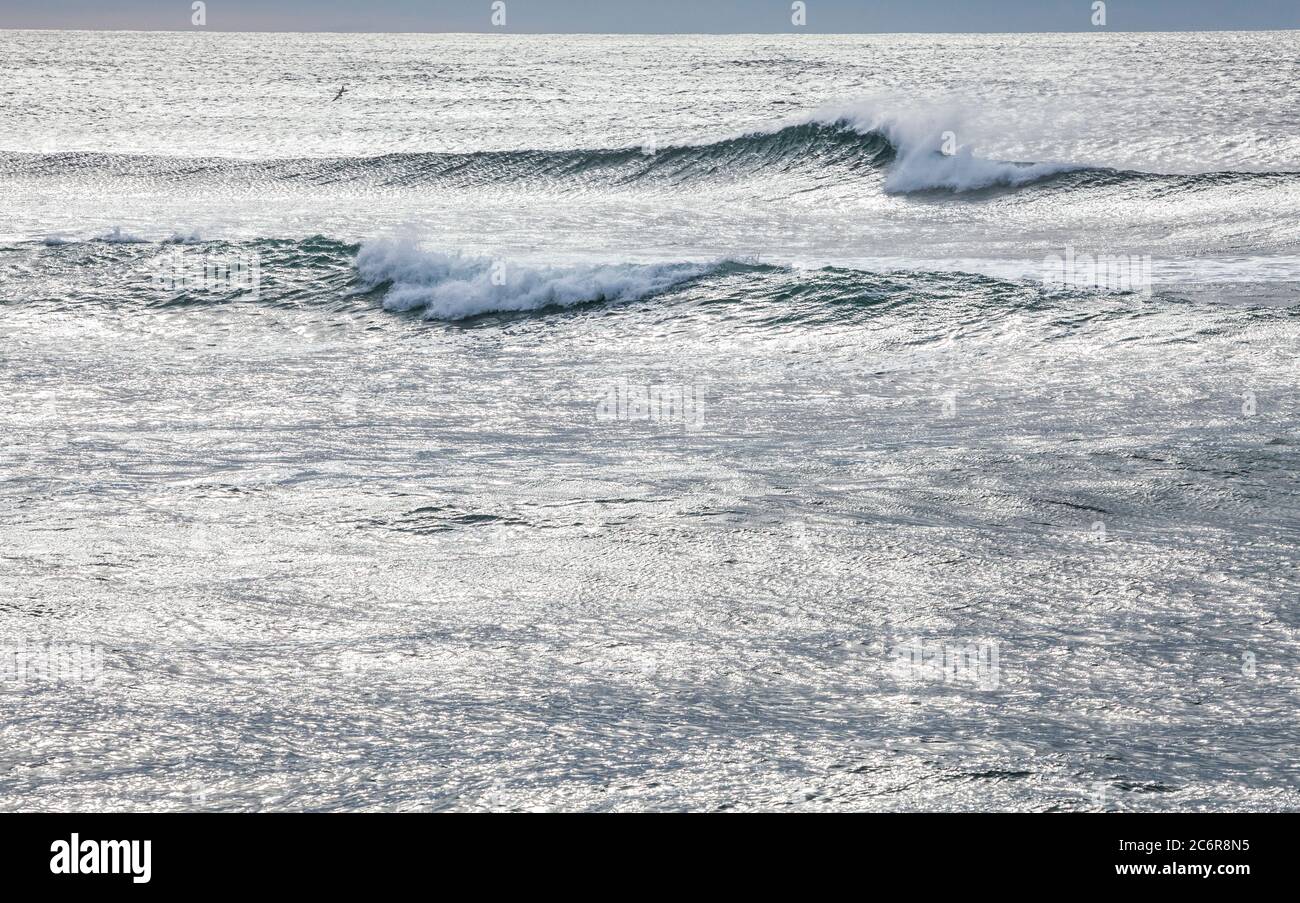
(342, 91)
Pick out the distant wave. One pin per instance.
(903, 154)
(807, 147)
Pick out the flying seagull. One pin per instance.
(342, 91)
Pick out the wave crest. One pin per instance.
(926, 154)
(454, 286)
(907, 150)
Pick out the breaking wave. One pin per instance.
(915, 151)
(454, 286)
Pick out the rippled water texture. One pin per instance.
(648, 423)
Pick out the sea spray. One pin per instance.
(455, 286)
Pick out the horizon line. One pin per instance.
(505, 31)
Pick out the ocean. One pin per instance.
(879, 422)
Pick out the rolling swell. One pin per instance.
(833, 150)
(320, 273)
(806, 147)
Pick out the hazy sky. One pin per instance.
(743, 16)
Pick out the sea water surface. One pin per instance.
(615, 422)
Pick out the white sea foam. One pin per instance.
(455, 286)
(930, 153)
(117, 236)
(922, 169)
